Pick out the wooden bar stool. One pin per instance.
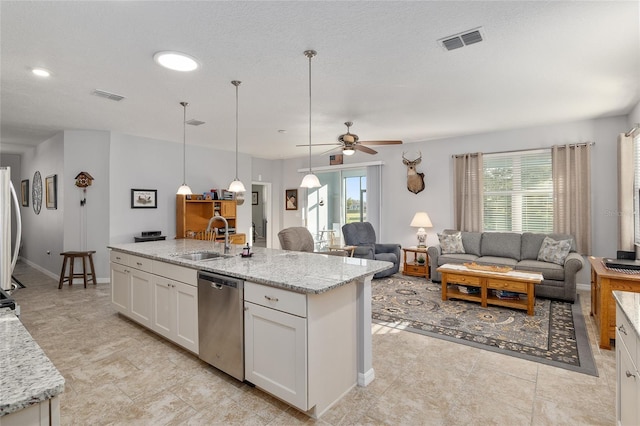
(71, 257)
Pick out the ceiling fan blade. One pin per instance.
(380, 142)
(364, 149)
(332, 149)
(321, 144)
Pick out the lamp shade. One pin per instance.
(421, 220)
(184, 190)
(310, 181)
(236, 186)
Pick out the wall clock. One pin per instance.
(36, 192)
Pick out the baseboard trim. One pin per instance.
(583, 287)
(56, 276)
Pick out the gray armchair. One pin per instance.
(298, 238)
(363, 236)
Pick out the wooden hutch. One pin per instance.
(192, 217)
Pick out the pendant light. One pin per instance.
(310, 180)
(184, 188)
(236, 185)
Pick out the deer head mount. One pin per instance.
(415, 180)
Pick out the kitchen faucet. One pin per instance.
(226, 231)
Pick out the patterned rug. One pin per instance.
(556, 335)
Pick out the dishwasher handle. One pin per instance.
(219, 281)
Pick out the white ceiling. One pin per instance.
(378, 64)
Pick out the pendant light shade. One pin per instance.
(310, 180)
(184, 188)
(236, 185)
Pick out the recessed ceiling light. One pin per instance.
(41, 72)
(176, 61)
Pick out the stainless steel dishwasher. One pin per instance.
(221, 322)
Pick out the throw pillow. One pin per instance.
(451, 243)
(554, 251)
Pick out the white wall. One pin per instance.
(634, 116)
(399, 205)
(43, 234)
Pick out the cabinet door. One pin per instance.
(120, 288)
(628, 387)
(228, 209)
(163, 308)
(186, 315)
(276, 353)
(141, 296)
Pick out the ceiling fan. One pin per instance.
(350, 143)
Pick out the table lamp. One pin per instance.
(421, 220)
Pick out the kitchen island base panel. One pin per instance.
(365, 342)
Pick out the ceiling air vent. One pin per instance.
(107, 95)
(465, 38)
(194, 122)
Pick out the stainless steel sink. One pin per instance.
(201, 255)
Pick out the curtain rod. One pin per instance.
(630, 132)
(523, 150)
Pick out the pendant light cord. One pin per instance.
(237, 130)
(310, 54)
(184, 143)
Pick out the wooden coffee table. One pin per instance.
(515, 281)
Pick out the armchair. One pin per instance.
(363, 236)
(298, 238)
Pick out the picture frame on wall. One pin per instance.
(144, 198)
(51, 191)
(291, 199)
(24, 192)
(254, 198)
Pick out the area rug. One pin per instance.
(556, 335)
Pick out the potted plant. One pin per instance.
(421, 260)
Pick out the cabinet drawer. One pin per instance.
(276, 298)
(178, 273)
(516, 286)
(141, 263)
(416, 269)
(627, 334)
(119, 257)
(463, 279)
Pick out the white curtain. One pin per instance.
(626, 177)
(468, 187)
(572, 193)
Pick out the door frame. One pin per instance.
(268, 207)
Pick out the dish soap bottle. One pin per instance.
(246, 251)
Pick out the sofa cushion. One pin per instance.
(554, 251)
(549, 271)
(531, 243)
(501, 244)
(456, 258)
(500, 261)
(451, 243)
(470, 240)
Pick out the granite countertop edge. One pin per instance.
(28, 377)
(296, 271)
(629, 303)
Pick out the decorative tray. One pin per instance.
(488, 268)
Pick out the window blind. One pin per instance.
(518, 191)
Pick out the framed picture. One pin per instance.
(335, 159)
(254, 198)
(51, 191)
(144, 198)
(291, 199)
(24, 192)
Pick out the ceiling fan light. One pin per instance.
(236, 186)
(348, 150)
(310, 181)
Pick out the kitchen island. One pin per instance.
(320, 303)
(30, 383)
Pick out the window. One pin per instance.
(518, 191)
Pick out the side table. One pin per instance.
(348, 249)
(411, 266)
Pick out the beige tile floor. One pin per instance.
(119, 373)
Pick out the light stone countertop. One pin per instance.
(27, 376)
(296, 271)
(629, 302)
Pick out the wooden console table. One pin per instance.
(515, 281)
(603, 306)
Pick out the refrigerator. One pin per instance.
(9, 210)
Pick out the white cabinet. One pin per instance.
(175, 312)
(299, 347)
(45, 413)
(131, 286)
(628, 386)
(158, 295)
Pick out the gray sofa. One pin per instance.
(520, 251)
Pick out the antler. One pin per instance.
(411, 161)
